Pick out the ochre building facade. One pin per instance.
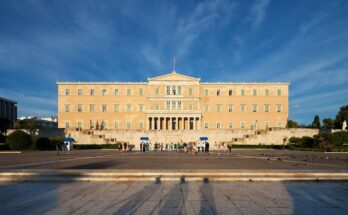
(172, 102)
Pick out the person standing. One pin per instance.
(207, 146)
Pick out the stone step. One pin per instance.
(173, 175)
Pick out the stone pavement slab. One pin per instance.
(174, 198)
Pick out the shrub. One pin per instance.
(44, 143)
(19, 140)
(307, 142)
(295, 140)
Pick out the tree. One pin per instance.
(341, 116)
(328, 123)
(292, 124)
(19, 140)
(316, 122)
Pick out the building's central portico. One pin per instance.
(179, 90)
(169, 121)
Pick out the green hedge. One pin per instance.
(44, 143)
(326, 142)
(19, 140)
(260, 146)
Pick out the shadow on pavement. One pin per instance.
(318, 197)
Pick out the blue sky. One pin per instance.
(304, 42)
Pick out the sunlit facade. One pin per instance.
(172, 102)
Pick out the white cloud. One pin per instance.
(206, 15)
(257, 12)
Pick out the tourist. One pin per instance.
(207, 146)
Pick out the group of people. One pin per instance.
(190, 147)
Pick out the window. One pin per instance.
(190, 91)
(254, 124)
(279, 92)
(141, 108)
(179, 90)
(67, 125)
(218, 92)
(267, 124)
(179, 105)
(168, 90)
(129, 124)
(117, 107)
(157, 106)
(190, 106)
(91, 108)
(103, 108)
(79, 92)
(242, 124)
(104, 92)
(206, 92)
(79, 108)
(91, 124)
(174, 90)
(218, 108)
(79, 124)
(242, 108)
(279, 124)
(141, 91)
(173, 105)
(266, 92)
(279, 108)
(168, 105)
(67, 108)
(91, 92)
(254, 92)
(229, 124)
(141, 125)
(129, 107)
(102, 125)
(206, 108)
(157, 91)
(230, 108)
(117, 124)
(242, 92)
(117, 92)
(218, 125)
(67, 92)
(129, 92)
(254, 108)
(206, 124)
(230, 92)
(267, 107)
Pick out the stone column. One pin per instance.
(152, 123)
(199, 124)
(158, 122)
(182, 123)
(170, 124)
(148, 123)
(194, 123)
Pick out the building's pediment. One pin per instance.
(173, 77)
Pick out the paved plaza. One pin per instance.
(174, 198)
(237, 159)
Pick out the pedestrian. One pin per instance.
(125, 146)
(207, 146)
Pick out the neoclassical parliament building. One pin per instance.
(172, 102)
